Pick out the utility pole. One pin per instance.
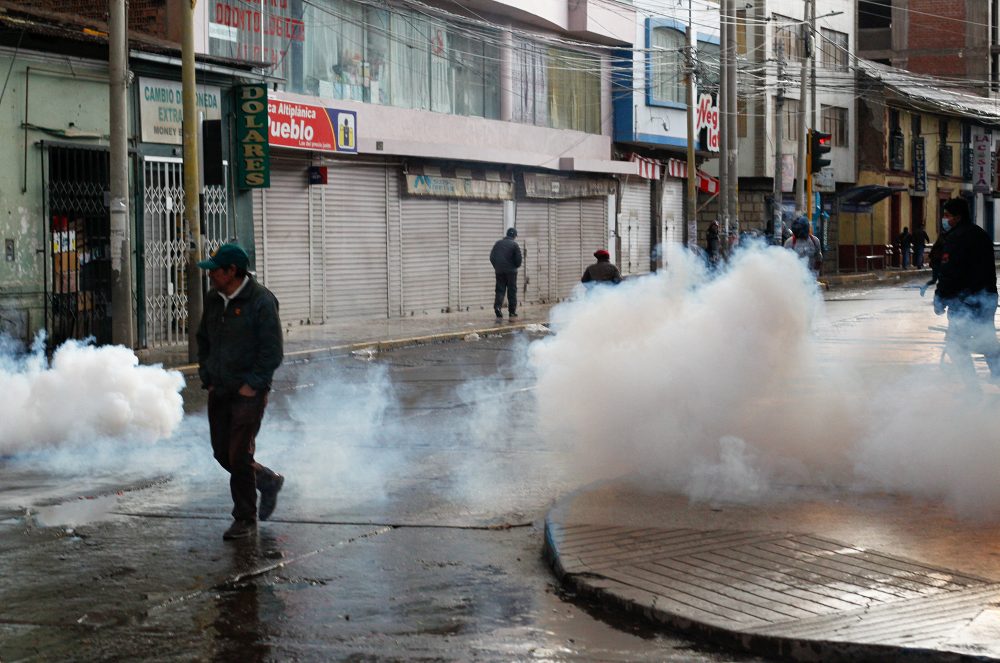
(691, 213)
(192, 216)
(120, 237)
(802, 168)
(779, 109)
(732, 99)
(811, 45)
(723, 104)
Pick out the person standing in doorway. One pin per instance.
(506, 260)
(967, 290)
(919, 240)
(903, 242)
(239, 348)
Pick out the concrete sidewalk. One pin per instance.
(359, 334)
(820, 576)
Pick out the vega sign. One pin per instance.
(253, 161)
(707, 117)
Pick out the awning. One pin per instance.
(648, 168)
(706, 183)
(861, 198)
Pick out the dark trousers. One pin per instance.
(971, 330)
(233, 422)
(506, 284)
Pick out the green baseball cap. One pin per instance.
(226, 255)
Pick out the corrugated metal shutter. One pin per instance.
(286, 244)
(357, 242)
(634, 226)
(480, 225)
(673, 211)
(532, 221)
(595, 225)
(424, 249)
(569, 245)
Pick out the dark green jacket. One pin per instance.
(239, 344)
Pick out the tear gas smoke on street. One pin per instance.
(715, 385)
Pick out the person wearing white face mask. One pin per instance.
(967, 290)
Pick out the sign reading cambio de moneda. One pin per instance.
(307, 127)
(253, 162)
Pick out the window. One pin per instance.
(556, 87)
(833, 120)
(915, 128)
(741, 117)
(946, 161)
(787, 35)
(790, 120)
(833, 49)
(741, 32)
(666, 68)
(709, 63)
(396, 58)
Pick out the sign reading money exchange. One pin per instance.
(253, 161)
(161, 109)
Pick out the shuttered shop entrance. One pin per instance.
(357, 281)
(634, 226)
(480, 225)
(424, 250)
(532, 220)
(673, 211)
(284, 261)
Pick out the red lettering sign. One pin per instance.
(307, 127)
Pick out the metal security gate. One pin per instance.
(673, 214)
(480, 225)
(634, 227)
(163, 251)
(78, 301)
(532, 219)
(424, 250)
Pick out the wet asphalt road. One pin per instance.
(409, 529)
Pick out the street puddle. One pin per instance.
(75, 513)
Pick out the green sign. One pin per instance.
(253, 160)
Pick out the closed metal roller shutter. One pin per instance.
(595, 226)
(424, 249)
(634, 226)
(532, 221)
(282, 212)
(480, 225)
(357, 242)
(673, 212)
(569, 247)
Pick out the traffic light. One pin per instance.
(819, 147)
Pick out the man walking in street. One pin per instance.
(967, 289)
(239, 348)
(506, 259)
(602, 271)
(806, 245)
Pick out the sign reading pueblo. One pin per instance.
(308, 127)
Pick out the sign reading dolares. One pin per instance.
(253, 161)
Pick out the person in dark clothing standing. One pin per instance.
(239, 348)
(506, 259)
(967, 290)
(602, 271)
(713, 244)
(919, 240)
(903, 242)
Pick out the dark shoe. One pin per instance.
(240, 529)
(269, 498)
(513, 315)
(497, 313)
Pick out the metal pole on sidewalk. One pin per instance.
(192, 217)
(723, 104)
(691, 213)
(120, 235)
(732, 99)
(779, 109)
(802, 167)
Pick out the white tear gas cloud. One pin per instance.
(718, 387)
(84, 393)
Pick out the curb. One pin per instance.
(380, 346)
(797, 649)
